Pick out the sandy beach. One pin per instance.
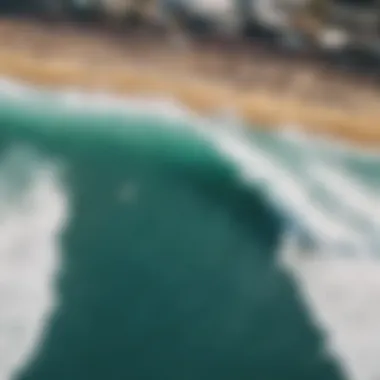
(266, 89)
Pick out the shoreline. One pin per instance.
(264, 91)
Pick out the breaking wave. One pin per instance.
(311, 206)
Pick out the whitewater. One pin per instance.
(326, 193)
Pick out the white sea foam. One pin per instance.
(33, 211)
(343, 295)
(340, 277)
(325, 202)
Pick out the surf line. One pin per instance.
(203, 95)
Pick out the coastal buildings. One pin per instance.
(350, 28)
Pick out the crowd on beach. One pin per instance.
(348, 30)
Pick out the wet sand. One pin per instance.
(266, 88)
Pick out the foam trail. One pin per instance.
(285, 188)
(349, 191)
(356, 204)
(31, 219)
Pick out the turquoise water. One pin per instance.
(140, 241)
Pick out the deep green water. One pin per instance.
(167, 264)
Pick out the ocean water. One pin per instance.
(141, 241)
